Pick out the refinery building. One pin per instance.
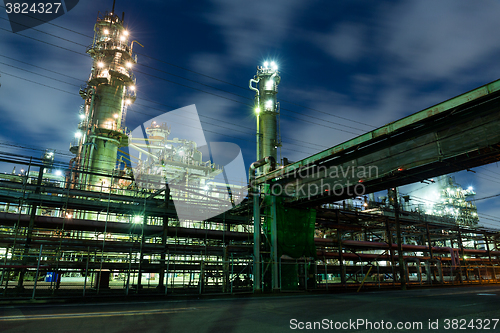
(159, 210)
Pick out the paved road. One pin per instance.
(270, 314)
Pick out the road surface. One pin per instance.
(425, 310)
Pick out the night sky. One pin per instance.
(346, 68)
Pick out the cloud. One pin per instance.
(387, 106)
(35, 115)
(435, 40)
(486, 183)
(345, 42)
(209, 64)
(252, 27)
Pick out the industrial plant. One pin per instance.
(151, 210)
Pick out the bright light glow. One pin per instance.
(122, 38)
(205, 187)
(257, 110)
(269, 104)
(128, 101)
(274, 66)
(100, 64)
(132, 87)
(138, 219)
(470, 188)
(181, 152)
(82, 116)
(125, 33)
(266, 64)
(69, 216)
(115, 115)
(269, 84)
(78, 134)
(58, 173)
(106, 31)
(128, 64)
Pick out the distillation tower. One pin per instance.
(267, 110)
(109, 90)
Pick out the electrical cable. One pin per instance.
(178, 76)
(203, 91)
(136, 103)
(141, 98)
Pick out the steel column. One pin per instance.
(37, 271)
(341, 251)
(402, 272)
(256, 218)
(274, 244)
(391, 250)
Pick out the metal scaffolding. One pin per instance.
(135, 244)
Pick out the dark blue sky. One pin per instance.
(371, 62)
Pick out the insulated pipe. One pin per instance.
(258, 105)
(262, 162)
(252, 87)
(406, 247)
(419, 269)
(429, 272)
(117, 227)
(69, 175)
(380, 257)
(256, 217)
(256, 91)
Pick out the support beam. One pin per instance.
(429, 242)
(29, 235)
(402, 271)
(391, 250)
(462, 254)
(487, 246)
(141, 254)
(163, 254)
(274, 244)
(341, 251)
(254, 192)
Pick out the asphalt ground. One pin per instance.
(461, 309)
